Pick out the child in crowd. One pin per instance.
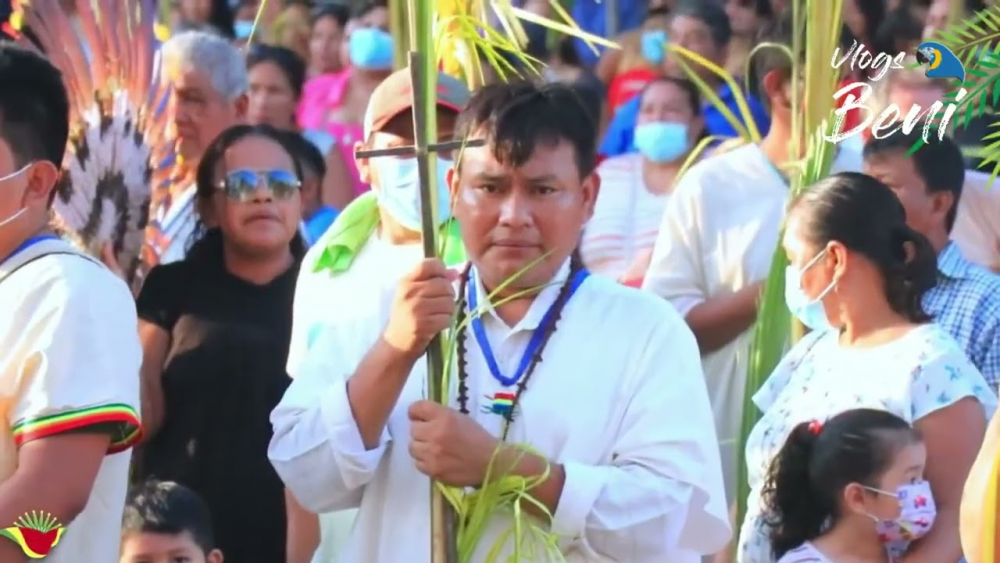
(850, 489)
(165, 522)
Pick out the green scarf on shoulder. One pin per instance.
(357, 223)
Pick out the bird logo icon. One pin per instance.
(37, 533)
(940, 61)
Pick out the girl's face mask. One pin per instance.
(917, 512)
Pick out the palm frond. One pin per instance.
(774, 329)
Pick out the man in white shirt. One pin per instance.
(69, 350)
(602, 381)
(357, 263)
(717, 239)
(208, 79)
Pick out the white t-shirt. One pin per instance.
(70, 358)
(919, 373)
(323, 298)
(626, 218)
(805, 553)
(719, 234)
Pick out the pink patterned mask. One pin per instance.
(916, 516)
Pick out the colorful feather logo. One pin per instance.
(36, 532)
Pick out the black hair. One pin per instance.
(336, 11)
(290, 63)
(165, 507)
(805, 480)
(34, 106)
(898, 27)
(938, 162)
(310, 159)
(206, 243)
(566, 52)
(222, 18)
(517, 116)
(873, 14)
(864, 215)
(781, 30)
(369, 7)
(686, 86)
(712, 14)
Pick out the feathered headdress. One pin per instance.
(107, 52)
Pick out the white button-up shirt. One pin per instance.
(619, 400)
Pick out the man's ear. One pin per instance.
(451, 177)
(364, 169)
(591, 187)
(942, 203)
(43, 177)
(774, 89)
(242, 105)
(215, 556)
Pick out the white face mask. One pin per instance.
(17, 214)
(399, 189)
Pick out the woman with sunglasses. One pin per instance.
(215, 329)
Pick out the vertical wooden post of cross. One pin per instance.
(444, 546)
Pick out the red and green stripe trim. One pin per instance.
(128, 428)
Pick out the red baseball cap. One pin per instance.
(395, 95)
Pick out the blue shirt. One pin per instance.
(966, 303)
(590, 15)
(315, 226)
(619, 137)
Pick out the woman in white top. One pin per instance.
(857, 268)
(618, 240)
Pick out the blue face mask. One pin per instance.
(370, 48)
(810, 312)
(661, 141)
(242, 28)
(653, 44)
(398, 190)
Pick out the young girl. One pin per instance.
(848, 490)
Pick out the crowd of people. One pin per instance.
(263, 397)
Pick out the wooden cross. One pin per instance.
(444, 547)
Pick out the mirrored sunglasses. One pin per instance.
(242, 185)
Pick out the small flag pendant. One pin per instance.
(501, 403)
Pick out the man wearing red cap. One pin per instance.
(354, 268)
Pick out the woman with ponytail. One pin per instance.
(832, 481)
(855, 278)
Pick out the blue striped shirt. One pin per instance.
(966, 303)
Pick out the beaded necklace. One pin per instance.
(547, 332)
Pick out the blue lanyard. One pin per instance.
(28, 244)
(536, 337)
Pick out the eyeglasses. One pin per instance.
(242, 185)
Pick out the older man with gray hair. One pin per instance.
(208, 79)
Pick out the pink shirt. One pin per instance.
(321, 95)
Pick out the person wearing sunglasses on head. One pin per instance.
(215, 329)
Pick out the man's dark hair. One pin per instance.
(898, 27)
(340, 13)
(709, 12)
(518, 116)
(780, 30)
(939, 162)
(34, 107)
(309, 156)
(368, 7)
(164, 507)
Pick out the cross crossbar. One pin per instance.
(411, 150)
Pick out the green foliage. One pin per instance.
(976, 43)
